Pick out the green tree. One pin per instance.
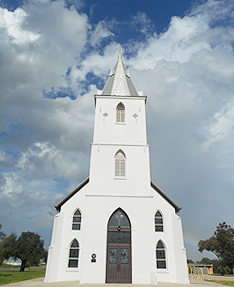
(1, 233)
(221, 244)
(29, 247)
(8, 246)
(2, 236)
(206, 260)
(5, 243)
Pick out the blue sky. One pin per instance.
(54, 55)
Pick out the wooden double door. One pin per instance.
(119, 264)
(118, 261)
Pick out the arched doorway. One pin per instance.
(118, 261)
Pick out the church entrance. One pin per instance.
(118, 261)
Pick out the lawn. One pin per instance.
(15, 276)
(223, 282)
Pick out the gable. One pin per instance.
(79, 187)
(166, 197)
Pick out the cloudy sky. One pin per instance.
(54, 55)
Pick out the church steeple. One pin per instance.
(119, 82)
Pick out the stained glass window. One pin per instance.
(119, 237)
(74, 254)
(158, 219)
(76, 223)
(113, 256)
(124, 256)
(119, 218)
(120, 113)
(161, 256)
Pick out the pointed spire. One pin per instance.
(119, 82)
(120, 51)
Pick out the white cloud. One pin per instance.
(184, 38)
(12, 21)
(43, 160)
(143, 23)
(189, 68)
(221, 126)
(100, 32)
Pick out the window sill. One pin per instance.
(120, 123)
(72, 269)
(162, 271)
(120, 178)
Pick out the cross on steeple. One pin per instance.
(120, 51)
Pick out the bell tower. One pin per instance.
(119, 151)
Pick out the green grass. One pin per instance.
(15, 276)
(223, 282)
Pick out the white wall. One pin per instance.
(108, 131)
(96, 211)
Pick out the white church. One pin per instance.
(118, 226)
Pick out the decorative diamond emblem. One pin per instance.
(105, 114)
(135, 116)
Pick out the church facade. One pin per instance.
(117, 226)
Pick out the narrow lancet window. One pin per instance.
(161, 256)
(74, 254)
(120, 113)
(158, 220)
(76, 222)
(120, 163)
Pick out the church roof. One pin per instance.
(119, 82)
(83, 183)
(79, 187)
(168, 199)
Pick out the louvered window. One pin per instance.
(161, 256)
(120, 164)
(74, 254)
(120, 113)
(158, 219)
(76, 222)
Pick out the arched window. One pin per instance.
(76, 222)
(120, 113)
(120, 163)
(74, 254)
(119, 218)
(158, 220)
(161, 256)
